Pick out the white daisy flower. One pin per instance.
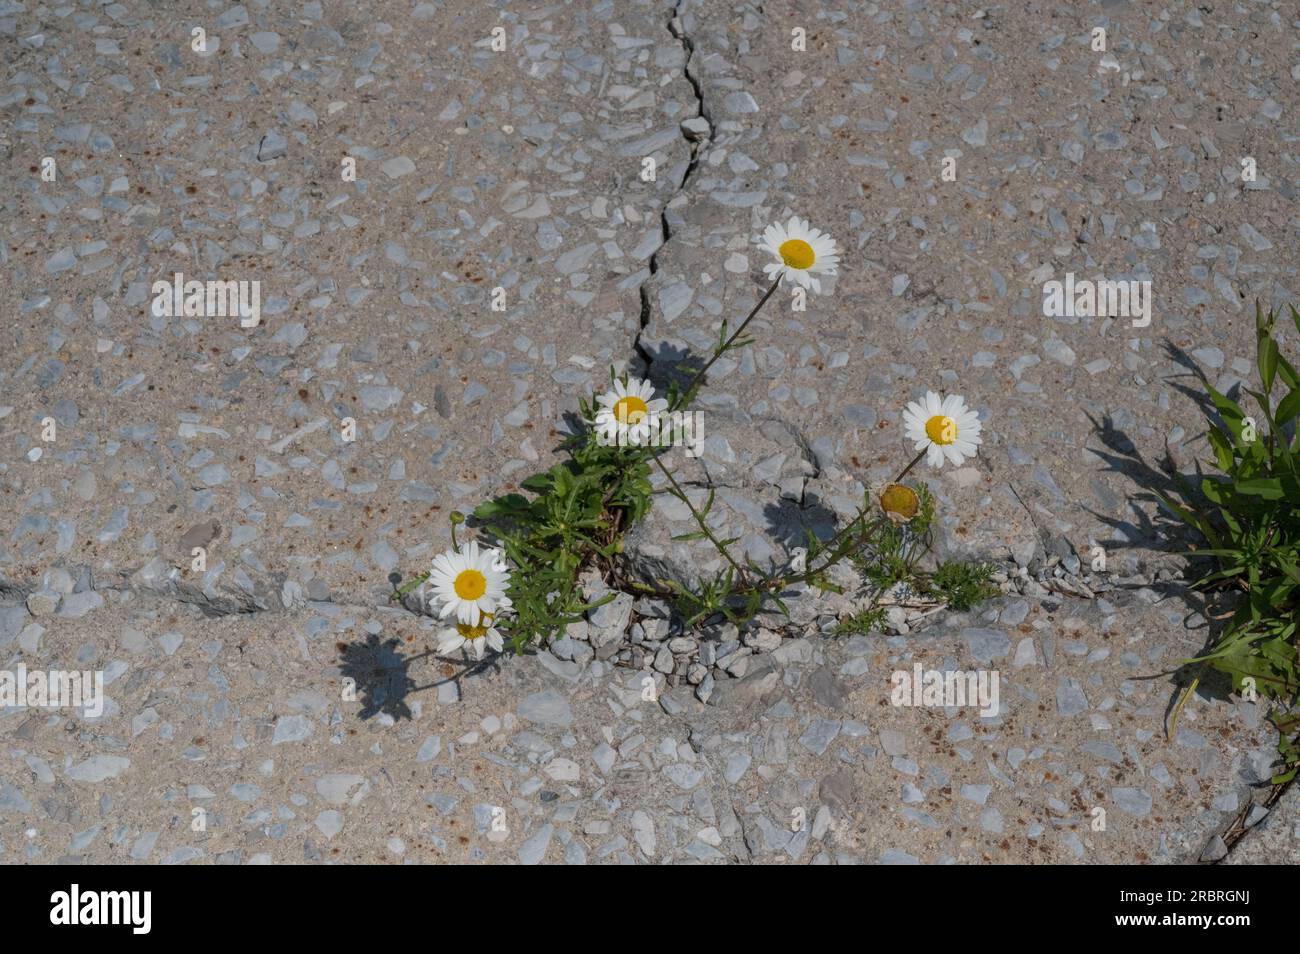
(469, 583)
(801, 252)
(943, 428)
(628, 412)
(475, 637)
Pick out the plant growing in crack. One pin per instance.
(1248, 516)
(579, 510)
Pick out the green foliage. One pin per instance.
(891, 556)
(963, 586)
(1249, 514)
(718, 596)
(574, 519)
(860, 624)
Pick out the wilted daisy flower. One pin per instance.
(484, 633)
(899, 503)
(628, 412)
(942, 427)
(468, 583)
(801, 252)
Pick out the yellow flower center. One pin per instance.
(470, 584)
(941, 429)
(797, 253)
(630, 409)
(476, 632)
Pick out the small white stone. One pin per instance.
(563, 770)
(42, 603)
(398, 166)
(1025, 655)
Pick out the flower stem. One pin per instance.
(837, 547)
(915, 460)
(686, 395)
(704, 528)
(847, 538)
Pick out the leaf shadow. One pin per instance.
(1165, 532)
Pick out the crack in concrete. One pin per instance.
(266, 597)
(678, 30)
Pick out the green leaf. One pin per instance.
(1229, 410)
(1290, 568)
(1267, 356)
(538, 483)
(509, 503)
(1290, 377)
(1289, 409)
(708, 505)
(1268, 488)
(1222, 446)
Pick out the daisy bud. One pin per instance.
(899, 503)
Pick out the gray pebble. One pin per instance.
(547, 707)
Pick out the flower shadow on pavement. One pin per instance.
(789, 521)
(381, 673)
(664, 363)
